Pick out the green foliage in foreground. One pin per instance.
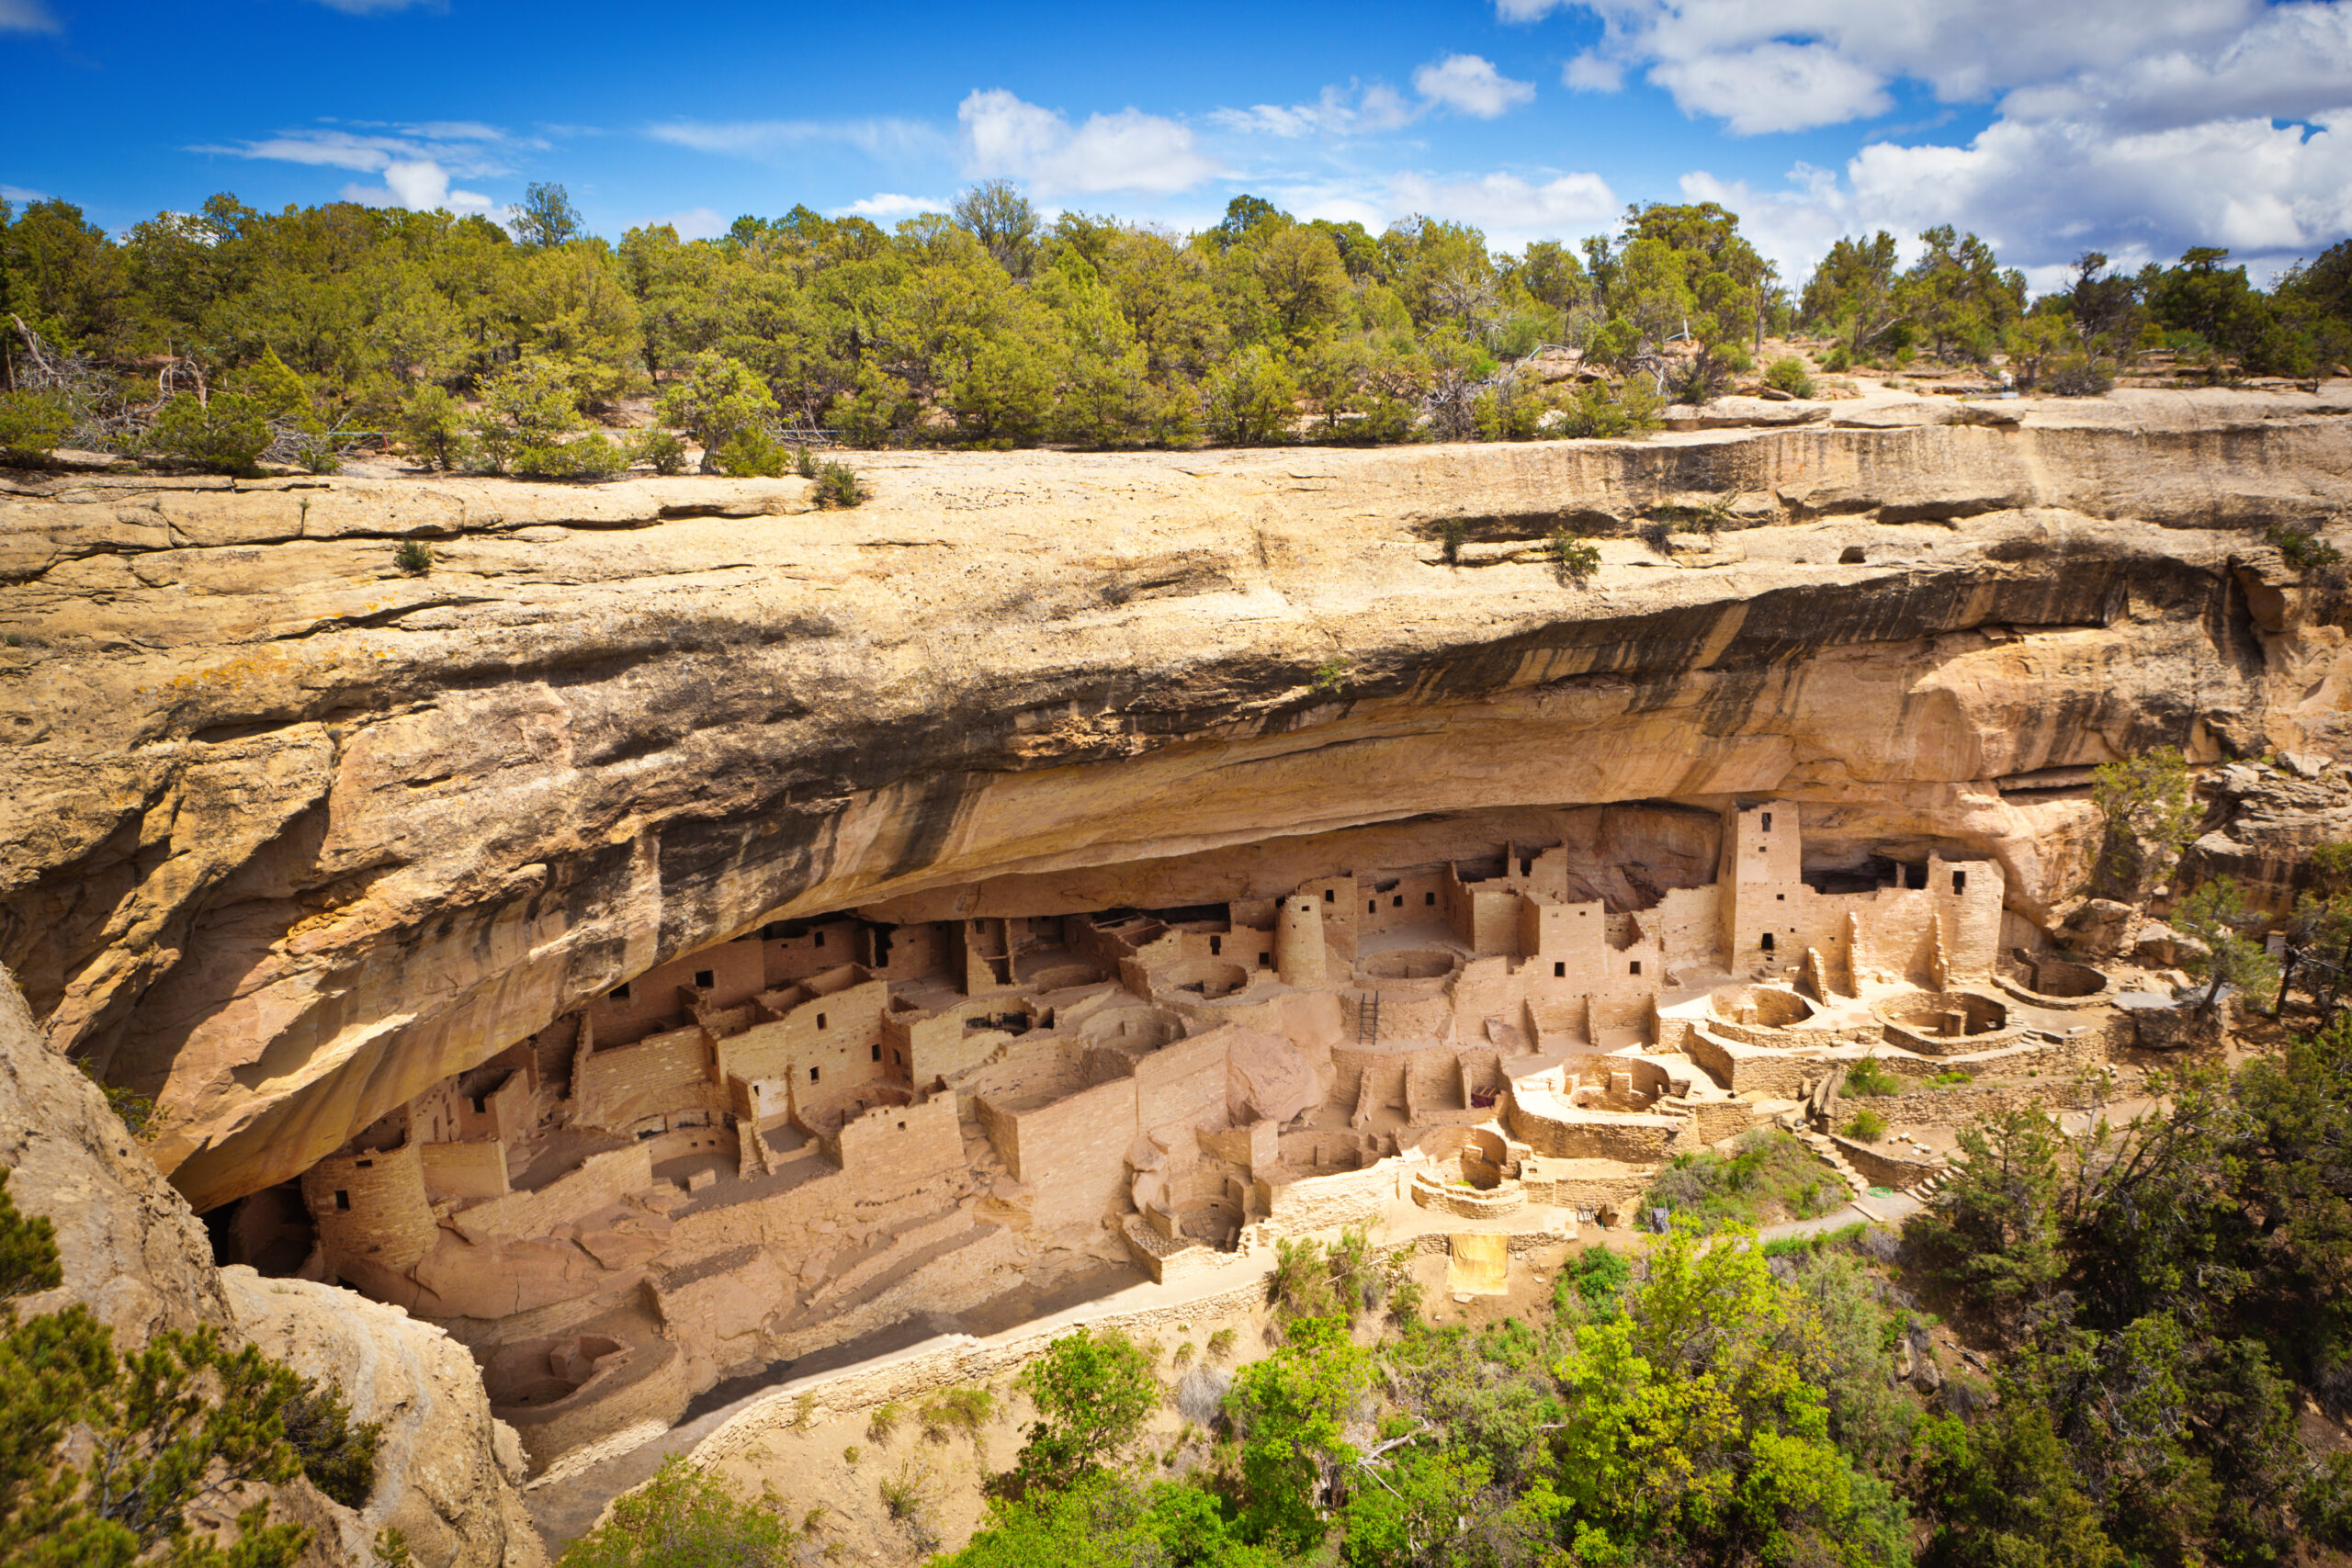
(110, 1459)
(686, 1518)
(1770, 1177)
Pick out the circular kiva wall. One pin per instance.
(1763, 1006)
(1944, 1023)
(1409, 964)
(2057, 981)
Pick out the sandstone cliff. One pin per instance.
(136, 1254)
(292, 834)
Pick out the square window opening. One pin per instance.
(705, 978)
(1329, 895)
(821, 1020)
(1429, 897)
(877, 1053)
(1959, 881)
(1768, 821)
(620, 993)
(1216, 946)
(343, 1198)
(812, 1075)
(1560, 971)
(1634, 967)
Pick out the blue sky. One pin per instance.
(2134, 126)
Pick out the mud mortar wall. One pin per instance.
(295, 835)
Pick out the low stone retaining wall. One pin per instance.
(1883, 1166)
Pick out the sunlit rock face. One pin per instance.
(293, 837)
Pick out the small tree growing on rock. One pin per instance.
(2151, 817)
(2216, 915)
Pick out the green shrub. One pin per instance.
(1952, 1078)
(1788, 374)
(687, 1517)
(1449, 534)
(415, 557)
(2302, 549)
(1593, 410)
(1769, 1175)
(884, 1423)
(432, 425)
(1221, 1343)
(1867, 1077)
(957, 1410)
(1837, 361)
(1574, 558)
(1300, 1285)
(837, 485)
(587, 458)
(338, 1455)
(1589, 1286)
(804, 462)
(660, 450)
(226, 434)
(32, 423)
(753, 454)
(1866, 1124)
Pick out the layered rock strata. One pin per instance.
(294, 835)
(134, 1254)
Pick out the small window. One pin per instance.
(902, 1127)
(342, 1199)
(812, 1075)
(1216, 947)
(1781, 896)
(1768, 821)
(821, 938)
(1768, 942)
(1265, 960)
(1429, 897)
(1560, 971)
(1959, 881)
(1400, 903)
(482, 1105)
(1372, 905)
(1634, 967)
(821, 1020)
(1526, 866)
(705, 978)
(366, 1164)
(877, 1051)
(1328, 894)
(620, 993)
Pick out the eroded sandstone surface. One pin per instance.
(292, 836)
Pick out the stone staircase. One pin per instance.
(1821, 1145)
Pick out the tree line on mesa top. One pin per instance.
(495, 347)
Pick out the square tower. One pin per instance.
(1762, 887)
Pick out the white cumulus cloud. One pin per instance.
(694, 223)
(1470, 84)
(1467, 84)
(890, 205)
(1129, 150)
(415, 163)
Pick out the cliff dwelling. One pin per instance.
(792, 1139)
